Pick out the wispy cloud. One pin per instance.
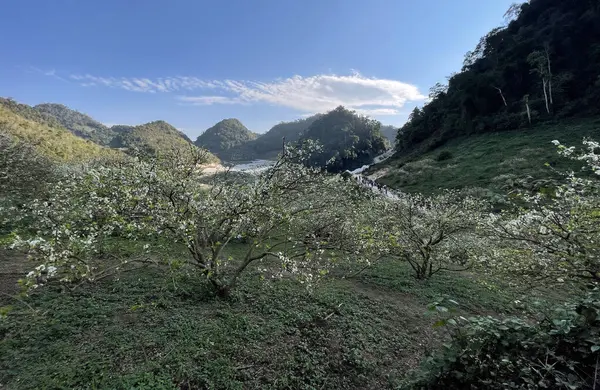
(49, 72)
(370, 96)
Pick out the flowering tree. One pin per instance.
(289, 212)
(24, 174)
(555, 234)
(431, 233)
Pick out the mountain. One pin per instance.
(77, 123)
(224, 137)
(389, 132)
(269, 145)
(151, 138)
(349, 140)
(28, 112)
(53, 141)
(541, 67)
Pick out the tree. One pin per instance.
(526, 101)
(348, 140)
(24, 175)
(430, 233)
(541, 65)
(553, 235)
(290, 213)
(513, 12)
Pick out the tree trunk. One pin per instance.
(502, 95)
(528, 111)
(545, 82)
(549, 76)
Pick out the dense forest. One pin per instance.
(348, 140)
(542, 66)
(268, 145)
(222, 138)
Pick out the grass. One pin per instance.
(492, 161)
(148, 330)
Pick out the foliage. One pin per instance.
(496, 163)
(270, 144)
(55, 143)
(23, 171)
(444, 155)
(28, 112)
(559, 352)
(349, 140)
(225, 136)
(289, 212)
(149, 327)
(554, 234)
(152, 139)
(24, 175)
(547, 55)
(389, 132)
(430, 233)
(77, 123)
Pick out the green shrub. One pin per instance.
(559, 352)
(445, 155)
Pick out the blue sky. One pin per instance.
(195, 62)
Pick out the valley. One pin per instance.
(460, 250)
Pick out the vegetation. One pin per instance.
(270, 144)
(77, 123)
(541, 66)
(149, 330)
(349, 140)
(389, 132)
(152, 139)
(556, 352)
(224, 137)
(493, 163)
(54, 142)
(147, 273)
(431, 234)
(28, 112)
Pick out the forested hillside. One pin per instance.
(151, 138)
(56, 143)
(77, 123)
(28, 112)
(349, 140)
(544, 65)
(389, 132)
(222, 138)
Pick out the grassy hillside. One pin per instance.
(152, 138)
(77, 123)
(147, 329)
(55, 142)
(493, 160)
(30, 113)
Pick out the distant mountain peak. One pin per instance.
(224, 136)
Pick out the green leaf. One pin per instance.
(439, 323)
(595, 348)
